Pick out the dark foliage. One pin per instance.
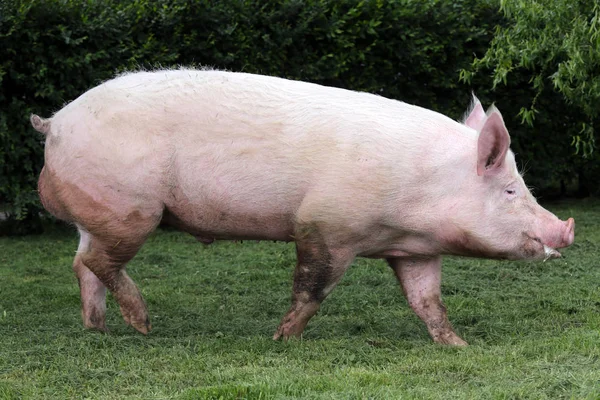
(51, 51)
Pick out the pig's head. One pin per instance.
(497, 216)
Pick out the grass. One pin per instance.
(533, 328)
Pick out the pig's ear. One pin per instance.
(493, 143)
(476, 115)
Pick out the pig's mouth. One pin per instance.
(540, 247)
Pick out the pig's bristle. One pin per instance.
(472, 105)
(523, 170)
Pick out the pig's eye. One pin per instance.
(511, 192)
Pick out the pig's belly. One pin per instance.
(233, 198)
(209, 221)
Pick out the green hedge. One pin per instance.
(52, 51)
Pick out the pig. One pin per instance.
(343, 174)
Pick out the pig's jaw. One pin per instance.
(550, 253)
(534, 248)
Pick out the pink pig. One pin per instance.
(225, 155)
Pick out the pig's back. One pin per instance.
(180, 108)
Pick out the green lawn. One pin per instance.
(533, 328)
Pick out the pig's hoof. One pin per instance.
(279, 335)
(140, 322)
(95, 321)
(143, 327)
(450, 339)
(287, 332)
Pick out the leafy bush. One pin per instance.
(557, 43)
(549, 52)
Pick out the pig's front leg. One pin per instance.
(420, 280)
(317, 272)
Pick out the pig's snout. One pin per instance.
(568, 234)
(559, 234)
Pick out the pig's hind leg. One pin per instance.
(93, 291)
(107, 259)
(421, 280)
(318, 270)
(110, 247)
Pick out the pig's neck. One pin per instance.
(431, 219)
